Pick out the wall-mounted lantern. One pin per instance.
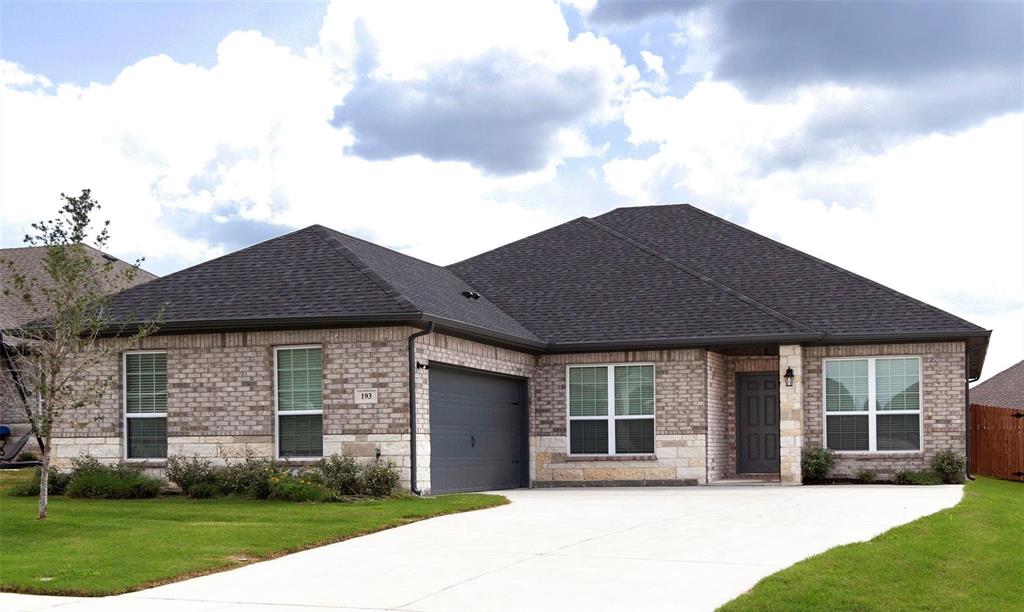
(789, 377)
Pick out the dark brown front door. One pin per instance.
(757, 423)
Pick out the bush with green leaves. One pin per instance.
(302, 487)
(28, 456)
(816, 462)
(341, 474)
(56, 484)
(249, 478)
(924, 477)
(187, 472)
(204, 490)
(866, 476)
(94, 480)
(950, 465)
(380, 478)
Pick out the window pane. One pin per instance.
(588, 391)
(299, 379)
(847, 432)
(897, 384)
(588, 437)
(898, 432)
(846, 385)
(634, 436)
(634, 390)
(145, 379)
(147, 438)
(301, 435)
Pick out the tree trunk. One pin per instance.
(44, 481)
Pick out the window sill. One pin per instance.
(877, 454)
(611, 458)
(145, 463)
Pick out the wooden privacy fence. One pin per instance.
(997, 442)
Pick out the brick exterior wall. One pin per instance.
(722, 370)
(942, 404)
(680, 389)
(221, 404)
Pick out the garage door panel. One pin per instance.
(477, 430)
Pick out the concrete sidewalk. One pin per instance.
(552, 549)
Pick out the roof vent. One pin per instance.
(109, 257)
(473, 295)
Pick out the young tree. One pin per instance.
(72, 332)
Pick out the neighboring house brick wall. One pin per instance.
(942, 395)
(680, 422)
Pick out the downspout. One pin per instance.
(412, 406)
(967, 408)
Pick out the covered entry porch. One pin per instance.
(755, 414)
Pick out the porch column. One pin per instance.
(791, 414)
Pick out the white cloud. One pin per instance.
(654, 63)
(176, 151)
(938, 217)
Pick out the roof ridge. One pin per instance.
(332, 241)
(328, 233)
(508, 244)
(834, 267)
(707, 279)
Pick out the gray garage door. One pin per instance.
(477, 431)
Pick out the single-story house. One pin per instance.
(14, 312)
(653, 345)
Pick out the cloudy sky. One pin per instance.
(885, 137)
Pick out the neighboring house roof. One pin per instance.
(1004, 390)
(315, 276)
(659, 276)
(30, 262)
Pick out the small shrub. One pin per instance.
(950, 466)
(187, 472)
(28, 456)
(249, 478)
(301, 488)
(865, 476)
(816, 462)
(910, 477)
(56, 484)
(113, 483)
(380, 478)
(204, 490)
(342, 475)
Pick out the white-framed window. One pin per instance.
(610, 409)
(298, 402)
(145, 404)
(873, 404)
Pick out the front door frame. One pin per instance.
(736, 420)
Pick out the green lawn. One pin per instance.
(969, 557)
(100, 547)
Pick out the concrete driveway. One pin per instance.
(566, 550)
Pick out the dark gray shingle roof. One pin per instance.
(581, 283)
(313, 275)
(817, 293)
(1005, 389)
